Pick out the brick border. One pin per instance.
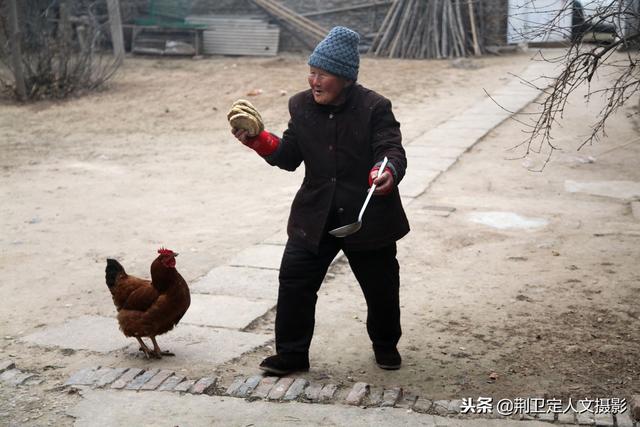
(287, 389)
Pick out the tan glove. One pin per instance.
(243, 115)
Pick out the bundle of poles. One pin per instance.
(305, 29)
(428, 29)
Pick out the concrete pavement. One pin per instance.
(159, 409)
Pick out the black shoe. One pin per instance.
(285, 363)
(387, 358)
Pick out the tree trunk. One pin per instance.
(16, 52)
(64, 27)
(116, 30)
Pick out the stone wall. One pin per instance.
(493, 24)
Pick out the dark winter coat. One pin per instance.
(339, 145)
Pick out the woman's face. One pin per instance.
(326, 87)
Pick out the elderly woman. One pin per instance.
(341, 131)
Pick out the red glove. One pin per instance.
(384, 184)
(264, 144)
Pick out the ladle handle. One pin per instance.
(373, 188)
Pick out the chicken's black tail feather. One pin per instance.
(112, 271)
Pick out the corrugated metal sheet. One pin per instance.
(235, 35)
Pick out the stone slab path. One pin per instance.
(193, 343)
(93, 333)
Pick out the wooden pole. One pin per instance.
(437, 35)
(474, 33)
(444, 49)
(428, 29)
(391, 25)
(16, 52)
(285, 11)
(115, 21)
(400, 30)
(293, 18)
(64, 30)
(64, 24)
(346, 8)
(459, 29)
(383, 27)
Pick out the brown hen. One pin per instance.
(147, 308)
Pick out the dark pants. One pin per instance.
(302, 273)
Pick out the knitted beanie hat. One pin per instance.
(338, 53)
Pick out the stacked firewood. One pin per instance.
(305, 29)
(428, 29)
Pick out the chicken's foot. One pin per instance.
(156, 349)
(146, 350)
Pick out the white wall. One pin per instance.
(539, 21)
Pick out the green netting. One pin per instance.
(168, 14)
(172, 9)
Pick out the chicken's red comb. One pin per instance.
(164, 251)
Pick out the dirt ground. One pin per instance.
(150, 161)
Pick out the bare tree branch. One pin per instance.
(581, 63)
(65, 47)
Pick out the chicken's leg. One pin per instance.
(146, 350)
(157, 351)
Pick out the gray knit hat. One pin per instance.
(338, 53)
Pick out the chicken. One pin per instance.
(149, 308)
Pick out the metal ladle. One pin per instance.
(348, 229)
